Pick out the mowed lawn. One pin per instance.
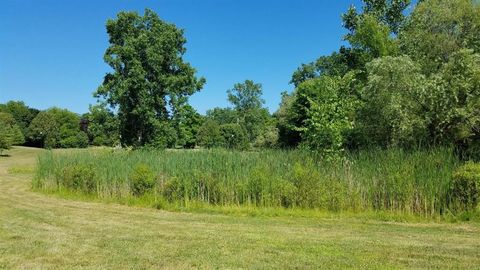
(38, 231)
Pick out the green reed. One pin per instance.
(392, 180)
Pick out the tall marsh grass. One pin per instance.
(415, 182)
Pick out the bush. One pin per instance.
(173, 190)
(79, 140)
(234, 136)
(78, 178)
(465, 190)
(142, 180)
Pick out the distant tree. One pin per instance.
(44, 130)
(234, 136)
(247, 100)
(209, 134)
(150, 79)
(336, 64)
(57, 128)
(102, 126)
(223, 115)
(187, 122)
(246, 96)
(269, 137)
(10, 132)
(5, 138)
(22, 114)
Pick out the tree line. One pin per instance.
(408, 77)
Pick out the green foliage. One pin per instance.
(268, 138)
(335, 64)
(142, 180)
(10, 132)
(150, 79)
(187, 122)
(22, 114)
(465, 188)
(373, 37)
(247, 100)
(388, 12)
(391, 114)
(246, 96)
(439, 28)
(452, 100)
(57, 128)
(223, 115)
(5, 138)
(79, 140)
(288, 135)
(80, 177)
(102, 126)
(234, 136)
(327, 115)
(210, 135)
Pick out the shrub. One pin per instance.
(173, 190)
(79, 140)
(78, 177)
(234, 136)
(465, 189)
(142, 180)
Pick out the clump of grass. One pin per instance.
(394, 180)
(21, 170)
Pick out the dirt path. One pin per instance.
(44, 232)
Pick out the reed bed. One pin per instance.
(414, 182)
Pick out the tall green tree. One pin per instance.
(223, 115)
(439, 28)
(10, 132)
(246, 96)
(392, 113)
(388, 12)
(22, 114)
(327, 120)
(247, 100)
(452, 101)
(150, 79)
(372, 37)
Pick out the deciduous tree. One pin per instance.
(150, 79)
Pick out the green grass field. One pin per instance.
(39, 231)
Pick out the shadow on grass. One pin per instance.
(4, 155)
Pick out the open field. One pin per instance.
(39, 232)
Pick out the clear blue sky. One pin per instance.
(51, 52)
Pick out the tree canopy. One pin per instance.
(150, 81)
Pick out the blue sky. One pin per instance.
(51, 52)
